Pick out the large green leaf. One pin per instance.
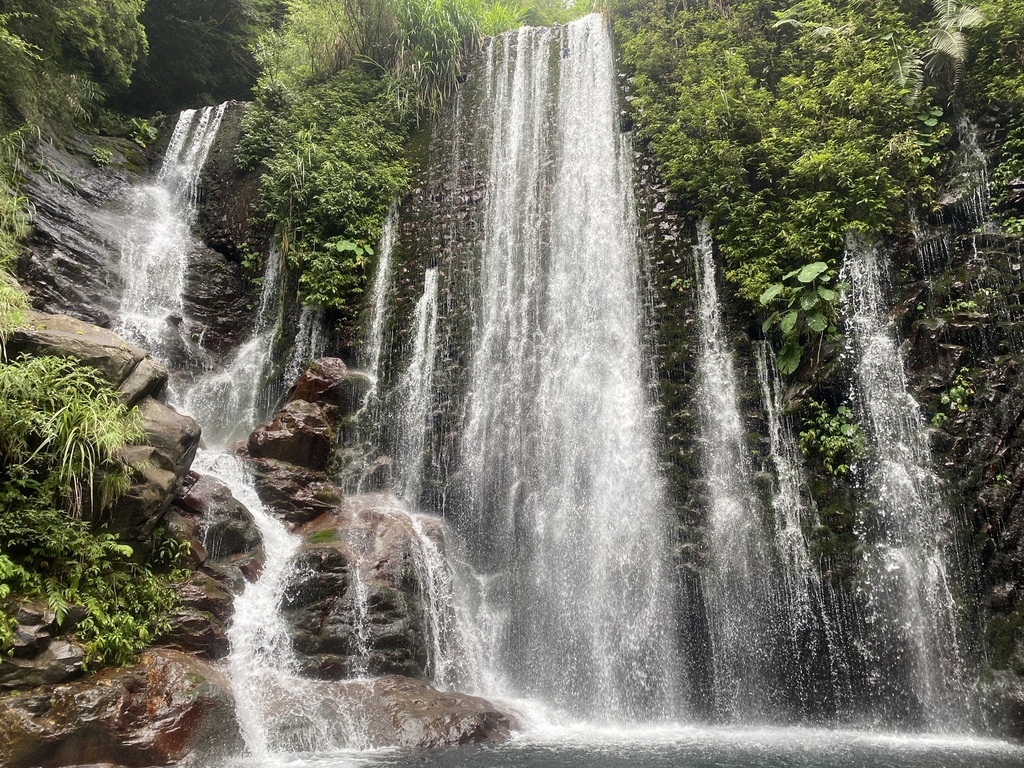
(812, 271)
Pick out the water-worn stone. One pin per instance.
(294, 494)
(69, 264)
(57, 661)
(166, 708)
(328, 381)
(299, 434)
(62, 336)
(161, 466)
(225, 551)
(369, 538)
(390, 711)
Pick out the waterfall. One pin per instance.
(276, 708)
(417, 389)
(228, 402)
(310, 342)
(378, 301)
(905, 529)
(738, 586)
(559, 516)
(159, 236)
(817, 626)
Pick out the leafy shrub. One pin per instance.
(334, 163)
(62, 429)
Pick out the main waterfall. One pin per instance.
(558, 510)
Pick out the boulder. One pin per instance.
(355, 599)
(223, 524)
(63, 336)
(226, 553)
(328, 381)
(161, 466)
(390, 711)
(168, 707)
(300, 434)
(294, 494)
(42, 660)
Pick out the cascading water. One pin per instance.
(740, 595)
(560, 517)
(228, 402)
(905, 530)
(816, 623)
(417, 389)
(156, 249)
(277, 710)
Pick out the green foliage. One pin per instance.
(994, 80)
(101, 156)
(418, 45)
(62, 429)
(143, 133)
(199, 52)
(57, 56)
(835, 439)
(809, 313)
(956, 399)
(334, 163)
(782, 125)
(14, 225)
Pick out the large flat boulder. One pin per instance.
(391, 711)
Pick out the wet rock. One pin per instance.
(328, 381)
(168, 707)
(300, 434)
(147, 380)
(223, 524)
(69, 264)
(294, 494)
(355, 601)
(216, 301)
(200, 625)
(225, 218)
(57, 661)
(161, 467)
(225, 551)
(390, 711)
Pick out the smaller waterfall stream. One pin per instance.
(911, 592)
(816, 625)
(417, 390)
(738, 585)
(155, 254)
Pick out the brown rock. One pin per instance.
(159, 712)
(299, 434)
(328, 381)
(384, 712)
(370, 538)
(295, 494)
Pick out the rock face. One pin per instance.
(355, 601)
(167, 707)
(42, 654)
(70, 262)
(172, 437)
